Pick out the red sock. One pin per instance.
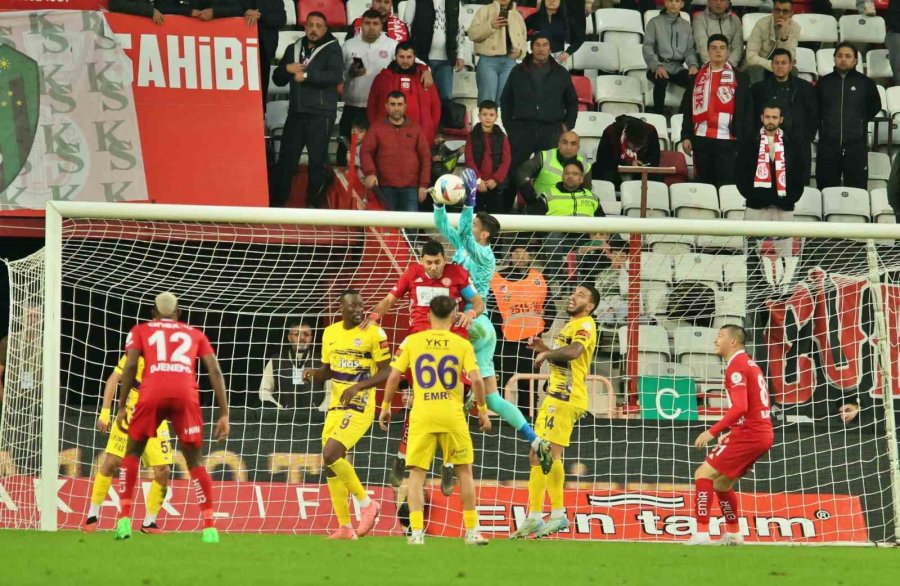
(203, 492)
(403, 438)
(702, 503)
(130, 466)
(728, 502)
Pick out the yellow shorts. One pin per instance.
(158, 451)
(456, 447)
(346, 426)
(556, 420)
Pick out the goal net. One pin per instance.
(820, 303)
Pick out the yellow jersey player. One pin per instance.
(159, 454)
(356, 361)
(566, 401)
(438, 358)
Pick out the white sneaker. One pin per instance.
(476, 539)
(732, 539)
(869, 9)
(699, 539)
(416, 538)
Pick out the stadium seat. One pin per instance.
(653, 344)
(731, 203)
(659, 122)
(845, 204)
(590, 27)
(657, 199)
(606, 193)
(467, 14)
(401, 8)
(747, 3)
(275, 90)
(619, 25)
(592, 124)
(882, 212)
(677, 161)
(734, 270)
(286, 39)
(665, 369)
(749, 21)
(843, 5)
(694, 200)
(675, 128)
(806, 64)
(879, 170)
(276, 114)
(618, 94)
(334, 11)
(527, 11)
(340, 36)
(650, 14)
(631, 62)
(290, 10)
(878, 67)
(671, 244)
(809, 207)
(825, 62)
(821, 28)
(355, 8)
(594, 55)
(857, 28)
(699, 268)
(585, 92)
(695, 347)
(656, 277)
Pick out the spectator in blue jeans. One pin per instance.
(498, 32)
(437, 37)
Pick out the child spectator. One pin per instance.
(669, 52)
(488, 154)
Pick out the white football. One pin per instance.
(449, 190)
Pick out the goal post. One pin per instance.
(629, 467)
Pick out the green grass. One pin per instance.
(173, 559)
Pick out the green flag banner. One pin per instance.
(668, 397)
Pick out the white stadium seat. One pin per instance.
(825, 62)
(843, 5)
(631, 62)
(822, 28)
(857, 28)
(290, 9)
(355, 8)
(606, 193)
(699, 268)
(619, 25)
(675, 128)
(466, 14)
(734, 270)
(879, 170)
(845, 204)
(749, 21)
(695, 347)
(657, 199)
(592, 124)
(694, 200)
(618, 94)
(809, 207)
(882, 212)
(806, 64)
(594, 55)
(285, 39)
(878, 66)
(653, 343)
(731, 203)
(659, 122)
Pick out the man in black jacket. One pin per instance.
(848, 100)
(538, 104)
(797, 99)
(627, 141)
(268, 16)
(283, 384)
(202, 9)
(892, 38)
(314, 66)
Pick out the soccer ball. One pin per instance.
(449, 190)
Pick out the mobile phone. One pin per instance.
(358, 63)
(504, 13)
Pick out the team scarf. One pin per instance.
(703, 87)
(763, 176)
(626, 155)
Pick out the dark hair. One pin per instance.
(737, 333)
(636, 133)
(404, 46)
(396, 94)
(783, 2)
(489, 223)
(317, 14)
(487, 105)
(595, 295)
(347, 292)
(361, 123)
(432, 248)
(772, 104)
(442, 306)
(781, 51)
(716, 37)
(371, 14)
(843, 44)
(576, 163)
(539, 35)
(301, 321)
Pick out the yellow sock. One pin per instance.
(470, 520)
(417, 520)
(344, 470)
(339, 503)
(155, 498)
(101, 488)
(556, 480)
(536, 484)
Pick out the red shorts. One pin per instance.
(185, 417)
(735, 455)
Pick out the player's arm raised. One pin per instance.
(378, 311)
(129, 372)
(465, 319)
(564, 354)
(109, 392)
(218, 384)
(393, 383)
(380, 376)
(738, 394)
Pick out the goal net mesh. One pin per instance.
(808, 305)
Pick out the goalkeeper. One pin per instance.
(472, 241)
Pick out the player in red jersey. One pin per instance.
(750, 437)
(423, 281)
(170, 350)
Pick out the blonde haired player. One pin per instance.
(356, 361)
(158, 454)
(566, 401)
(437, 359)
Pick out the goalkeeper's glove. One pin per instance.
(470, 179)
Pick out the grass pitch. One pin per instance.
(175, 559)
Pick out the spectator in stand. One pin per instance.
(718, 18)
(539, 104)
(268, 16)
(365, 56)
(600, 261)
(770, 174)
(718, 111)
(848, 101)
(892, 38)
(488, 154)
(669, 52)
(778, 31)
(396, 157)
(866, 7)
(149, 9)
(283, 385)
(545, 169)
(640, 5)
(554, 20)
(797, 100)
(498, 32)
(391, 24)
(314, 68)
(438, 38)
(627, 141)
(404, 75)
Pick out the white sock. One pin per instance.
(401, 456)
(417, 532)
(149, 518)
(471, 532)
(536, 516)
(365, 502)
(536, 444)
(94, 511)
(448, 466)
(557, 513)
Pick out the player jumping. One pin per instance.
(751, 436)
(438, 358)
(356, 361)
(472, 240)
(170, 350)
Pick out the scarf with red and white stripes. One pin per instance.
(763, 175)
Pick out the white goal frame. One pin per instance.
(58, 211)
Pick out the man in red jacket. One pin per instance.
(404, 75)
(396, 157)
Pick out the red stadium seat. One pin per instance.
(585, 93)
(334, 10)
(526, 11)
(677, 160)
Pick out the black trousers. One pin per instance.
(526, 139)
(714, 160)
(309, 131)
(681, 79)
(491, 201)
(351, 115)
(850, 162)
